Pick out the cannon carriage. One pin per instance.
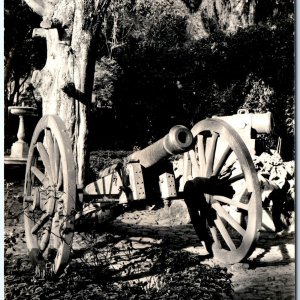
(218, 182)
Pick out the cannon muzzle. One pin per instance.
(262, 123)
(178, 140)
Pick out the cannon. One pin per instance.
(218, 183)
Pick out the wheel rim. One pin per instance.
(49, 195)
(225, 192)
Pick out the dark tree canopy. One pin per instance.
(162, 63)
(159, 74)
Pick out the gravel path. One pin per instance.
(269, 273)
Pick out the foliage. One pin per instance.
(150, 23)
(22, 52)
(102, 159)
(260, 95)
(106, 74)
(278, 187)
(272, 12)
(156, 74)
(160, 86)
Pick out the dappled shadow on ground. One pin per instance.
(139, 253)
(273, 250)
(131, 251)
(146, 242)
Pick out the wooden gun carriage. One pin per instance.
(218, 182)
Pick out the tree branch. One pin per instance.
(38, 6)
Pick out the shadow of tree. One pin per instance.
(149, 246)
(123, 252)
(271, 242)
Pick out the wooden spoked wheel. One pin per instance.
(49, 196)
(222, 191)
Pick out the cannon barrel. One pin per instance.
(178, 140)
(260, 122)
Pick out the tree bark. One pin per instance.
(66, 81)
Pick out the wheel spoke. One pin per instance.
(223, 213)
(40, 223)
(50, 150)
(243, 196)
(222, 161)
(225, 234)
(231, 202)
(45, 239)
(55, 231)
(187, 167)
(59, 178)
(31, 176)
(211, 151)
(195, 165)
(45, 159)
(50, 205)
(56, 162)
(40, 176)
(214, 233)
(233, 179)
(201, 154)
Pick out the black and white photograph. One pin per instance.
(149, 149)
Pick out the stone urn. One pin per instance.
(19, 149)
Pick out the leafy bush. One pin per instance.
(102, 159)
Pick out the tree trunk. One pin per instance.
(66, 81)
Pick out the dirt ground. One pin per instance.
(269, 273)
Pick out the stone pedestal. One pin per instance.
(19, 149)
